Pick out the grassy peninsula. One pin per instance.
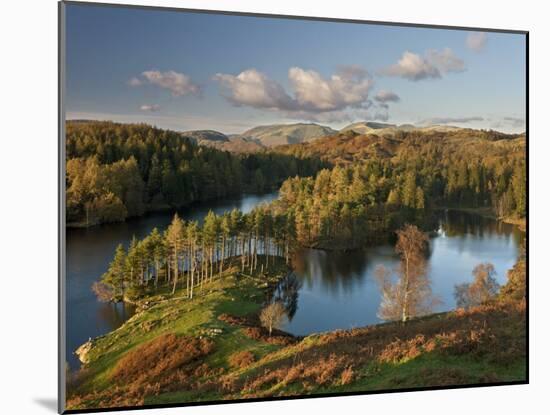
(212, 347)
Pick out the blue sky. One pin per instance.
(189, 71)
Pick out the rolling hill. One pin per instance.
(359, 140)
(233, 143)
(206, 135)
(386, 143)
(279, 134)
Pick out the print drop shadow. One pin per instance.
(48, 403)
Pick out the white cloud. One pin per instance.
(450, 120)
(313, 97)
(476, 41)
(150, 108)
(253, 88)
(134, 82)
(349, 87)
(515, 121)
(386, 96)
(179, 122)
(432, 65)
(445, 60)
(178, 84)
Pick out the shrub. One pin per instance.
(347, 376)
(403, 350)
(514, 289)
(272, 316)
(484, 288)
(232, 320)
(242, 359)
(161, 355)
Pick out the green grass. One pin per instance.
(431, 370)
(240, 295)
(229, 294)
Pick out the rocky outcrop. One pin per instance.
(83, 351)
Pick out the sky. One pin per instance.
(188, 71)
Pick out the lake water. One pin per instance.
(89, 252)
(338, 290)
(328, 290)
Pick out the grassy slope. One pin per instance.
(483, 345)
(233, 294)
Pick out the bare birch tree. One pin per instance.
(272, 316)
(406, 292)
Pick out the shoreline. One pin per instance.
(152, 210)
(487, 212)
(267, 283)
(143, 304)
(225, 316)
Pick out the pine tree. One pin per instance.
(419, 204)
(175, 236)
(116, 275)
(519, 186)
(210, 234)
(154, 182)
(409, 190)
(393, 198)
(226, 233)
(192, 238)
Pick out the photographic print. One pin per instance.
(261, 207)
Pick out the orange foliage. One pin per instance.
(241, 359)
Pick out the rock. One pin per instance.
(83, 351)
(212, 332)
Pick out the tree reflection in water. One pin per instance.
(113, 315)
(335, 271)
(286, 292)
(458, 223)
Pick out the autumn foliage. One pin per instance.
(161, 355)
(165, 364)
(241, 359)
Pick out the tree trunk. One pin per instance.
(188, 270)
(176, 269)
(405, 313)
(223, 254)
(157, 270)
(286, 252)
(192, 269)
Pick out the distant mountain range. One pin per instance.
(279, 134)
(262, 137)
(267, 136)
(234, 143)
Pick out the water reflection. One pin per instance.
(286, 292)
(335, 272)
(339, 289)
(89, 252)
(326, 291)
(457, 223)
(113, 315)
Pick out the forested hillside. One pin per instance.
(455, 168)
(379, 182)
(115, 171)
